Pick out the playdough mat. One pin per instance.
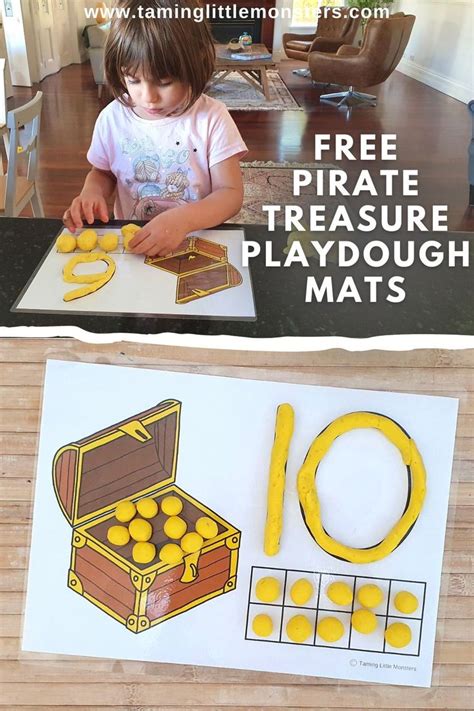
(141, 289)
(225, 437)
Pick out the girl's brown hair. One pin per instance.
(171, 45)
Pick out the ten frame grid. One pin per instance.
(318, 609)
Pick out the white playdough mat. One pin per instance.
(225, 435)
(222, 289)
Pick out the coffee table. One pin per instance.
(253, 69)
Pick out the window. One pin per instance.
(305, 12)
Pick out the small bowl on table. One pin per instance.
(234, 45)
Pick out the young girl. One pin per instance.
(168, 152)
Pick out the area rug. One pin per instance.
(269, 183)
(238, 95)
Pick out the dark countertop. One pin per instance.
(438, 300)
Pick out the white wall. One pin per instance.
(282, 26)
(79, 19)
(4, 55)
(440, 51)
(16, 45)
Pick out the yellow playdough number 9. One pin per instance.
(308, 496)
(94, 281)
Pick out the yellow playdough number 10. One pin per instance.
(307, 492)
(276, 481)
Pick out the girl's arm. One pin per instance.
(166, 231)
(99, 186)
(224, 201)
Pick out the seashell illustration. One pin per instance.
(168, 158)
(146, 170)
(148, 190)
(182, 156)
(177, 182)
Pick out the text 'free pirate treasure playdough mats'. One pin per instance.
(165, 529)
(202, 278)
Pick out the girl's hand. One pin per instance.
(162, 235)
(87, 206)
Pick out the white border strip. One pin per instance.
(440, 82)
(402, 342)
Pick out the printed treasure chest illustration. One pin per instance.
(119, 485)
(202, 268)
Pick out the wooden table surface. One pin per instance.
(45, 683)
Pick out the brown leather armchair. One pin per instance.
(331, 33)
(382, 48)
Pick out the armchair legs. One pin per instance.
(304, 72)
(342, 98)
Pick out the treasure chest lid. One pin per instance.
(191, 255)
(212, 249)
(207, 282)
(130, 458)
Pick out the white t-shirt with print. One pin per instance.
(162, 163)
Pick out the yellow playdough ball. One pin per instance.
(140, 530)
(171, 553)
(128, 232)
(364, 621)
(148, 508)
(171, 505)
(143, 552)
(398, 635)
(66, 243)
(87, 240)
(301, 591)
(330, 629)
(304, 238)
(206, 527)
(118, 535)
(129, 229)
(262, 625)
(406, 602)
(268, 589)
(108, 242)
(175, 527)
(299, 628)
(370, 595)
(339, 593)
(125, 511)
(191, 542)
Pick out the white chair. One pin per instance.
(17, 191)
(3, 110)
(3, 94)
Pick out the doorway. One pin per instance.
(46, 37)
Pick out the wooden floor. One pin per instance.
(31, 682)
(433, 131)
